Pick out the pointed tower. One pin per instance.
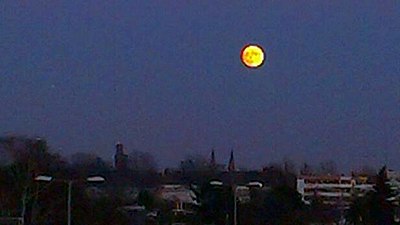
(231, 165)
(213, 163)
(120, 158)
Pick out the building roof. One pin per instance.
(178, 193)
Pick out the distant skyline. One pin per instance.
(166, 78)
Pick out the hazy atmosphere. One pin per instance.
(165, 77)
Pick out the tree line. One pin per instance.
(23, 159)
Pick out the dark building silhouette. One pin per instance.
(231, 165)
(120, 158)
(213, 163)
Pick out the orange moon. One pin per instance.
(252, 56)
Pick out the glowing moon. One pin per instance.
(252, 56)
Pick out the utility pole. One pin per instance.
(69, 201)
(234, 206)
(69, 182)
(24, 200)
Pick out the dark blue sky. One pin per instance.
(165, 77)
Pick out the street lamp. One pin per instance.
(95, 179)
(216, 183)
(69, 182)
(255, 184)
(235, 189)
(43, 178)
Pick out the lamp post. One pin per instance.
(235, 189)
(69, 182)
(25, 197)
(235, 204)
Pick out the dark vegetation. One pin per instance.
(23, 159)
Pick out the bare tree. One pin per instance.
(30, 157)
(328, 167)
(306, 169)
(194, 162)
(5, 157)
(81, 158)
(141, 161)
(367, 170)
(289, 166)
(88, 163)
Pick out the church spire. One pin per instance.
(212, 161)
(231, 165)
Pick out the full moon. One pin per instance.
(252, 56)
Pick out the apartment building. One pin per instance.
(331, 189)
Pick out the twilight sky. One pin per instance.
(165, 77)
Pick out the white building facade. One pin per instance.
(332, 190)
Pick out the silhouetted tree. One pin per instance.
(358, 213)
(374, 208)
(195, 163)
(141, 161)
(306, 169)
(328, 168)
(86, 164)
(367, 170)
(146, 199)
(319, 212)
(29, 157)
(289, 166)
(216, 204)
(382, 211)
(277, 175)
(280, 205)
(283, 205)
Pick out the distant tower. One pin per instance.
(231, 165)
(120, 158)
(213, 163)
